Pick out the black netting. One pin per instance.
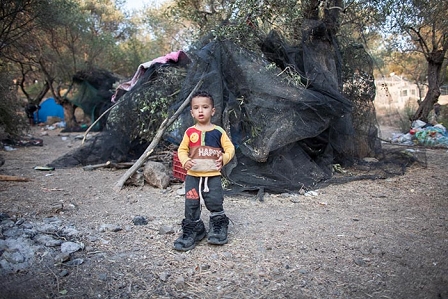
(286, 134)
(392, 161)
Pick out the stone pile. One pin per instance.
(24, 243)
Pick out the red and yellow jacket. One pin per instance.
(205, 147)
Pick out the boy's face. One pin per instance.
(202, 110)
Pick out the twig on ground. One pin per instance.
(56, 277)
(13, 178)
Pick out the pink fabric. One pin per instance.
(173, 56)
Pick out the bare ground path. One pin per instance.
(364, 239)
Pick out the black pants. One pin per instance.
(213, 199)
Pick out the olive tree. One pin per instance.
(423, 24)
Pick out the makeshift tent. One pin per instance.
(92, 92)
(289, 129)
(48, 108)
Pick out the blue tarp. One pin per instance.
(48, 108)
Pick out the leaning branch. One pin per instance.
(165, 124)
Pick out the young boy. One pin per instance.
(204, 150)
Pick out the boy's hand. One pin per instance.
(189, 164)
(219, 162)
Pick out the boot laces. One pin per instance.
(217, 223)
(188, 228)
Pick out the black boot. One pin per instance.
(218, 230)
(193, 232)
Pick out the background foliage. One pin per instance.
(45, 42)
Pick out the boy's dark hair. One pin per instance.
(202, 93)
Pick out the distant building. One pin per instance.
(395, 92)
(444, 90)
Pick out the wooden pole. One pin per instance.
(165, 124)
(13, 178)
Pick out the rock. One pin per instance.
(47, 229)
(12, 231)
(102, 276)
(295, 200)
(56, 207)
(303, 271)
(231, 265)
(4, 216)
(75, 262)
(63, 273)
(276, 272)
(156, 174)
(376, 251)
(137, 179)
(21, 240)
(13, 257)
(165, 229)
(164, 276)
(370, 160)
(70, 232)
(140, 220)
(62, 257)
(180, 191)
(121, 284)
(110, 227)
(92, 238)
(311, 193)
(20, 222)
(27, 225)
(3, 245)
(180, 282)
(262, 273)
(53, 220)
(70, 247)
(205, 267)
(360, 262)
(48, 241)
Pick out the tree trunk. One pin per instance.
(42, 93)
(319, 29)
(69, 109)
(435, 62)
(69, 114)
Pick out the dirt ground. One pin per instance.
(364, 239)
